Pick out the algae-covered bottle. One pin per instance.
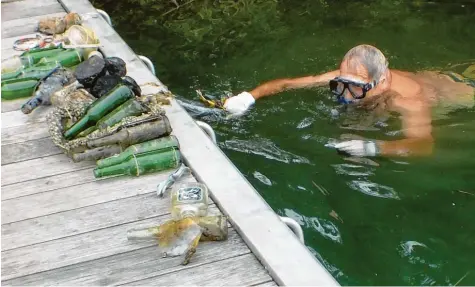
(175, 238)
(189, 199)
(142, 164)
(130, 108)
(214, 228)
(96, 153)
(135, 134)
(100, 108)
(144, 147)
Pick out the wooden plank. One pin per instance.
(24, 26)
(12, 105)
(139, 264)
(81, 220)
(29, 8)
(74, 249)
(73, 197)
(17, 118)
(7, 53)
(24, 133)
(293, 264)
(7, 43)
(39, 168)
(228, 272)
(17, 152)
(49, 183)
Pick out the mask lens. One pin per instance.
(337, 87)
(356, 91)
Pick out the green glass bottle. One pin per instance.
(144, 147)
(135, 134)
(37, 72)
(130, 108)
(100, 108)
(142, 164)
(67, 58)
(18, 88)
(27, 59)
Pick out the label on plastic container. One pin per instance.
(186, 194)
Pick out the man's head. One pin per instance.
(364, 64)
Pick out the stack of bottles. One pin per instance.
(189, 225)
(22, 74)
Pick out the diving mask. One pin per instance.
(357, 89)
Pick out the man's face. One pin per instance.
(354, 71)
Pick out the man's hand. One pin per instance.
(358, 148)
(239, 104)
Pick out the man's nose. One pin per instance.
(347, 95)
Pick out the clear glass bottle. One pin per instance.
(189, 199)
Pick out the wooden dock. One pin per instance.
(61, 226)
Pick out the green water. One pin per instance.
(404, 222)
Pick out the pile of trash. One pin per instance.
(191, 222)
(99, 113)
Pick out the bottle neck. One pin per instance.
(118, 169)
(189, 212)
(78, 127)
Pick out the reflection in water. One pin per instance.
(373, 189)
(265, 148)
(262, 178)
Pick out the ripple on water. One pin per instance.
(265, 148)
(352, 169)
(323, 226)
(306, 122)
(373, 189)
(262, 178)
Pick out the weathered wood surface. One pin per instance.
(17, 152)
(83, 218)
(24, 26)
(39, 168)
(71, 250)
(12, 105)
(29, 8)
(49, 183)
(24, 133)
(227, 272)
(128, 266)
(17, 118)
(73, 197)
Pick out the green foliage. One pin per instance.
(198, 28)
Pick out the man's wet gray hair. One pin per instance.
(370, 57)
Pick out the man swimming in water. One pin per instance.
(364, 79)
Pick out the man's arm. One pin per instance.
(240, 103)
(416, 124)
(417, 127)
(280, 85)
